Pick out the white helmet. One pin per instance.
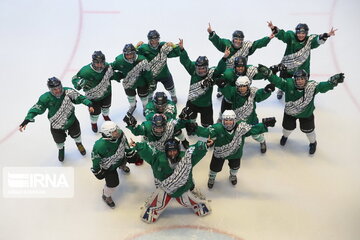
(243, 81)
(107, 128)
(228, 115)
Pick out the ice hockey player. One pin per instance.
(59, 101)
(109, 153)
(229, 137)
(299, 101)
(172, 171)
(298, 49)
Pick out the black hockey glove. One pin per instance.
(132, 157)
(337, 78)
(24, 123)
(130, 120)
(191, 128)
(269, 88)
(206, 83)
(275, 30)
(269, 122)
(264, 70)
(324, 36)
(279, 67)
(100, 174)
(220, 82)
(152, 87)
(186, 113)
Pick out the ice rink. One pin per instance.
(284, 194)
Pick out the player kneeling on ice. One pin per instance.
(172, 171)
(229, 137)
(61, 113)
(299, 101)
(110, 152)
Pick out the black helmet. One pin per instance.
(202, 61)
(302, 27)
(158, 124)
(300, 73)
(98, 56)
(240, 62)
(160, 101)
(129, 48)
(238, 34)
(53, 82)
(172, 144)
(153, 34)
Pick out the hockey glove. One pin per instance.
(100, 174)
(206, 83)
(130, 120)
(269, 122)
(132, 157)
(191, 128)
(264, 70)
(186, 113)
(324, 36)
(220, 82)
(269, 88)
(337, 78)
(24, 123)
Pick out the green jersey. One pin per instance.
(300, 103)
(297, 54)
(199, 96)
(61, 111)
(163, 170)
(245, 106)
(145, 129)
(136, 74)
(229, 145)
(157, 58)
(96, 84)
(245, 50)
(170, 110)
(109, 155)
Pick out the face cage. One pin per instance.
(228, 127)
(174, 159)
(160, 107)
(197, 68)
(98, 69)
(158, 133)
(157, 43)
(109, 135)
(240, 73)
(132, 60)
(54, 88)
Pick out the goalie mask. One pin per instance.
(98, 61)
(228, 119)
(301, 79)
(160, 102)
(237, 39)
(55, 87)
(158, 124)
(240, 66)
(129, 52)
(154, 39)
(110, 131)
(172, 150)
(202, 66)
(243, 85)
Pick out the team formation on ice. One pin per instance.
(164, 145)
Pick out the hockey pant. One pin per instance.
(159, 201)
